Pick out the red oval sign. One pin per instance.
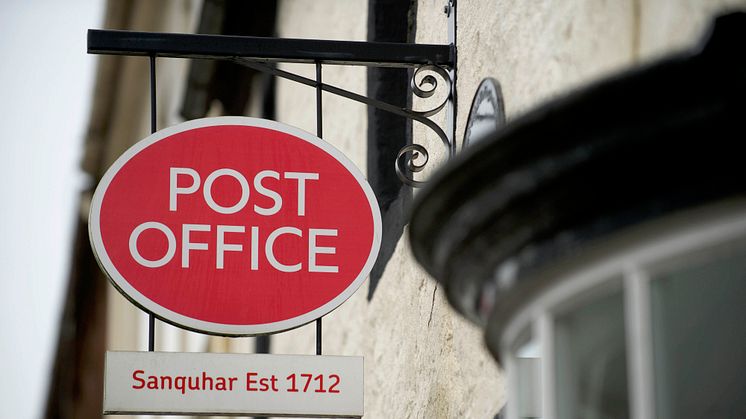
(235, 226)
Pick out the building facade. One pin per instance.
(422, 359)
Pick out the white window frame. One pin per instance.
(654, 244)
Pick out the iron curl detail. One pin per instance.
(409, 154)
(425, 86)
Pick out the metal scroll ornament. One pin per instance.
(413, 158)
(411, 154)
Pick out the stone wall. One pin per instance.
(422, 360)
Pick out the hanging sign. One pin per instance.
(233, 384)
(235, 226)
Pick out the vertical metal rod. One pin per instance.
(153, 121)
(153, 127)
(151, 332)
(319, 133)
(452, 106)
(318, 336)
(319, 122)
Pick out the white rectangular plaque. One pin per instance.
(233, 384)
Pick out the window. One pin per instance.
(698, 313)
(591, 360)
(528, 379)
(651, 330)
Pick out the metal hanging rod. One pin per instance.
(177, 45)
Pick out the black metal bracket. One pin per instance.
(431, 61)
(179, 45)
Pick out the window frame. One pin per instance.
(631, 265)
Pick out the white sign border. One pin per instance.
(222, 329)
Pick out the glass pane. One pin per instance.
(528, 379)
(699, 338)
(591, 361)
